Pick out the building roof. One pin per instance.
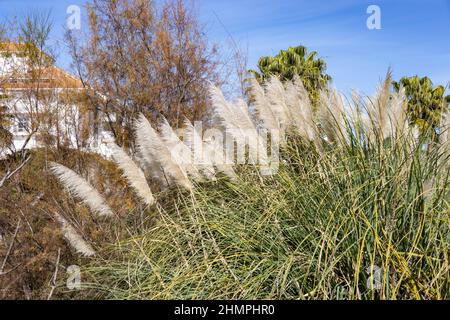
(50, 77)
(11, 47)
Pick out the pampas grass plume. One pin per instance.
(74, 239)
(80, 188)
(133, 174)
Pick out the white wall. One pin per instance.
(18, 105)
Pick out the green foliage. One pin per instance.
(426, 103)
(315, 230)
(295, 61)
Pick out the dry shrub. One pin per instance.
(30, 201)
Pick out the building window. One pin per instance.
(22, 123)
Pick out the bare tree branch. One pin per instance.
(10, 174)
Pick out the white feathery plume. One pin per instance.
(226, 115)
(133, 174)
(339, 113)
(81, 189)
(370, 119)
(264, 114)
(178, 149)
(263, 111)
(415, 132)
(257, 148)
(356, 112)
(244, 109)
(232, 117)
(195, 143)
(238, 124)
(74, 238)
(300, 109)
(147, 159)
(193, 140)
(215, 152)
(378, 107)
(151, 166)
(332, 115)
(359, 114)
(275, 95)
(153, 147)
(444, 139)
(325, 116)
(224, 110)
(445, 127)
(398, 120)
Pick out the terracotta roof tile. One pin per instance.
(51, 77)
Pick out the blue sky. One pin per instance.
(414, 38)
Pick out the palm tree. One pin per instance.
(426, 103)
(295, 61)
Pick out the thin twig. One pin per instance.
(55, 275)
(10, 246)
(10, 174)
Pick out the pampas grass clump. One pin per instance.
(358, 209)
(355, 192)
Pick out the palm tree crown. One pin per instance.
(295, 61)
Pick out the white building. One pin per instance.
(44, 103)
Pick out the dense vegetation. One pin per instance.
(360, 211)
(316, 230)
(356, 207)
